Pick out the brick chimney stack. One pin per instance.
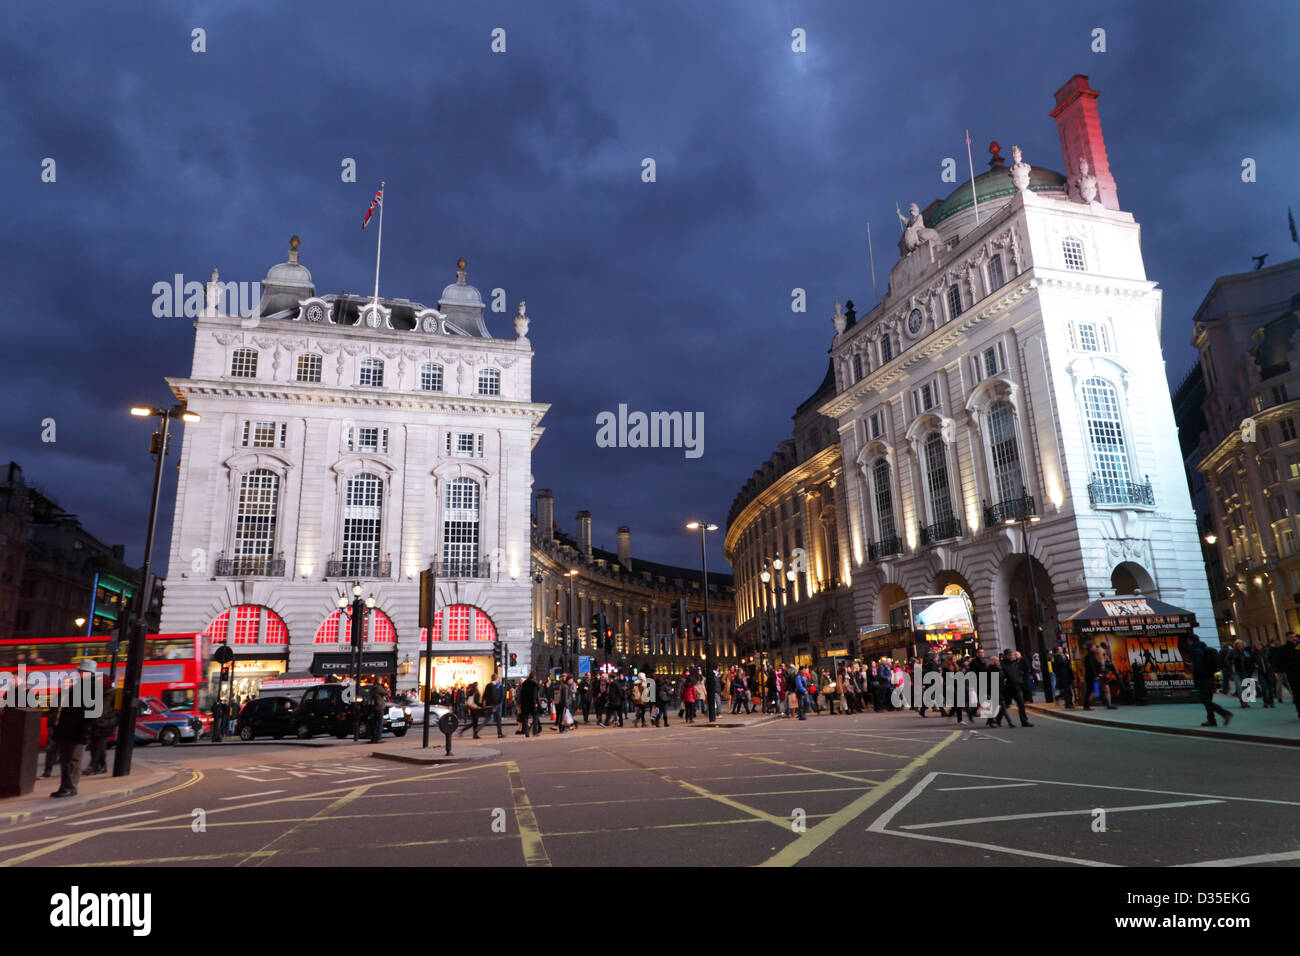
(546, 514)
(584, 533)
(625, 547)
(1079, 124)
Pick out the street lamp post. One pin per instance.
(777, 565)
(711, 679)
(571, 645)
(135, 651)
(1024, 523)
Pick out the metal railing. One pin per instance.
(466, 568)
(884, 547)
(1111, 491)
(1009, 509)
(941, 530)
(358, 568)
(249, 567)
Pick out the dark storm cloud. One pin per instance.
(666, 296)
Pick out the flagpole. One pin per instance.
(874, 298)
(379, 246)
(969, 160)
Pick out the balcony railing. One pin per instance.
(358, 568)
(249, 567)
(1110, 491)
(1009, 509)
(884, 547)
(941, 530)
(466, 568)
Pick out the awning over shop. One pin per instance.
(1128, 614)
(372, 662)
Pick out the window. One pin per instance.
(1286, 542)
(992, 365)
(954, 302)
(309, 367)
(1277, 507)
(1279, 394)
(264, 434)
(243, 363)
(489, 381)
(464, 445)
(255, 516)
(247, 619)
(1072, 252)
(372, 372)
(1263, 437)
(458, 622)
(1293, 467)
(886, 349)
(460, 527)
(369, 438)
(1287, 427)
(884, 500)
(1105, 431)
(1257, 402)
(857, 368)
(1005, 452)
(936, 477)
(431, 378)
(996, 277)
(1207, 360)
(874, 426)
(1270, 472)
(362, 525)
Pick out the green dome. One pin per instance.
(996, 184)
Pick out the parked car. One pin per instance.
(155, 722)
(324, 711)
(267, 716)
(415, 710)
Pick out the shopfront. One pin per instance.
(379, 667)
(451, 670)
(250, 672)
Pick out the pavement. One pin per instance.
(1274, 725)
(91, 792)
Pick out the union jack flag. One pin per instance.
(377, 201)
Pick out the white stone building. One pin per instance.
(1014, 368)
(343, 443)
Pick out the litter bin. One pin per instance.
(20, 736)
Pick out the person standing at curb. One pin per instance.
(1205, 661)
(1289, 664)
(71, 734)
(1063, 672)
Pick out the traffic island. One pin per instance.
(435, 755)
(1256, 724)
(91, 792)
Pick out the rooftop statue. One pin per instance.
(1086, 184)
(915, 232)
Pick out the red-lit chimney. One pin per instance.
(1080, 127)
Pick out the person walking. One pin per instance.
(100, 730)
(639, 701)
(473, 710)
(1288, 664)
(1264, 674)
(493, 698)
(563, 698)
(72, 733)
(375, 713)
(1205, 661)
(614, 703)
(1091, 675)
(930, 666)
(528, 703)
(1063, 674)
(1014, 686)
(688, 699)
(661, 693)
(51, 745)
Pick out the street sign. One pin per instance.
(518, 672)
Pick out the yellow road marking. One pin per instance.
(807, 842)
(530, 834)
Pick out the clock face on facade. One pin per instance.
(914, 322)
(430, 324)
(315, 313)
(372, 318)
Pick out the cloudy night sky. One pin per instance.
(673, 295)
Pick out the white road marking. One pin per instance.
(992, 786)
(975, 733)
(1101, 786)
(120, 816)
(242, 776)
(373, 776)
(1249, 860)
(1057, 813)
(249, 796)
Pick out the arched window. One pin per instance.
(1007, 481)
(372, 372)
(1110, 466)
(430, 377)
(337, 628)
(362, 526)
(936, 479)
(243, 363)
(460, 529)
(884, 501)
(255, 515)
(252, 624)
(489, 381)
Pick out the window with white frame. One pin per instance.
(243, 363)
(365, 438)
(1109, 452)
(489, 381)
(886, 349)
(1005, 452)
(873, 426)
(430, 377)
(989, 362)
(372, 372)
(309, 368)
(925, 398)
(362, 524)
(954, 301)
(997, 279)
(255, 514)
(1286, 542)
(264, 434)
(884, 500)
(1072, 253)
(857, 368)
(460, 527)
(936, 477)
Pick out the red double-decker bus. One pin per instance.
(172, 670)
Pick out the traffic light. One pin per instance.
(496, 656)
(1015, 616)
(675, 617)
(597, 623)
(514, 658)
(697, 625)
(575, 645)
